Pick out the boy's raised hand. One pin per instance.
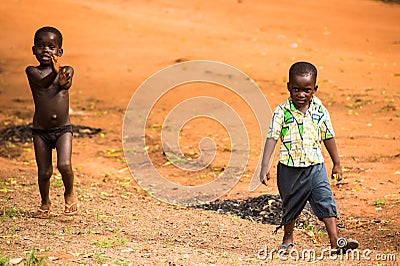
(55, 64)
(65, 76)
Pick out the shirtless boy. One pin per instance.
(52, 129)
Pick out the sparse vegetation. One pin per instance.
(33, 260)
(106, 242)
(8, 212)
(380, 203)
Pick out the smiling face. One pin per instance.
(46, 45)
(302, 88)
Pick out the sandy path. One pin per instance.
(115, 45)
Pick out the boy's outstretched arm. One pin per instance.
(267, 159)
(330, 145)
(36, 78)
(65, 78)
(66, 73)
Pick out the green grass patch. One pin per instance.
(8, 212)
(106, 242)
(4, 260)
(58, 183)
(122, 261)
(313, 229)
(380, 203)
(33, 260)
(101, 258)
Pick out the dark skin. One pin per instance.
(49, 83)
(302, 89)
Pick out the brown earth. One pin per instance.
(115, 45)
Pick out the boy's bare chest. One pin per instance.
(44, 72)
(50, 93)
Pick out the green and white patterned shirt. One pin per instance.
(301, 134)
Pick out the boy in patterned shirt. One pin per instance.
(302, 123)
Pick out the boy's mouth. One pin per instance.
(46, 57)
(300, 100)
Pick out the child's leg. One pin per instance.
(64, 151)
(288, 233)
(43, 155)
(323, 203)
(330, 224)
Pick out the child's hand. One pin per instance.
(65, 76)
(264, 178)
(55, 64)
(337, 173)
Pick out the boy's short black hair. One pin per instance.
(302, 69)
(49, 29)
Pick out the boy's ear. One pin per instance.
(287, 85)
(33, 50)
(316, 87)
(60, 52)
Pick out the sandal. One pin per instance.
(71, 209)
(42, 214)
(344, 244)
(286, 247)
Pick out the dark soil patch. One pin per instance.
(23, 133)
(266, 209)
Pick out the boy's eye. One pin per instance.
(298, 90)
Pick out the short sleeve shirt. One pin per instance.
(301, 134)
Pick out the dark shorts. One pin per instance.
(50, 136)
(297, 185)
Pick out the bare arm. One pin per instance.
(38, 79)
(66, 73)
(330, 145)
(65, 78)
(266, 161)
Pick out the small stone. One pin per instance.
(127, 250)
(15, 261)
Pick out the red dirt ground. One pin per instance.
(115, 45)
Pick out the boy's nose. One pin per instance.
(302, 93)
(46, 49)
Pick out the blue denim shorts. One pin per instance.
(297, 185)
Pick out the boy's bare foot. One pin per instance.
(71, 205)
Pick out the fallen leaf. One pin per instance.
(123, 170)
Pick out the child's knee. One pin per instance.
(45, 174)
(64, 168)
